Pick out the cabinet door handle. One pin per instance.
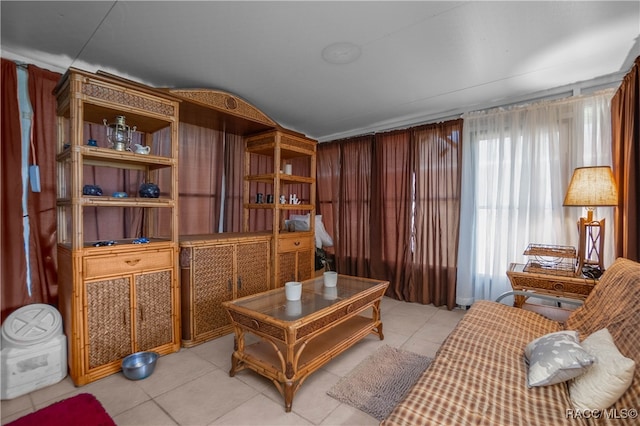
(229, 285)
(296, 243)
(133, 262)
(141, 314)
(239, 283)
(124, 317)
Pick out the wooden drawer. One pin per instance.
(557, 285)
(295, 244)
(126, 263)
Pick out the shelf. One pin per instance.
(551, 259)
(297, 206)
(548, 250)
(294, 234)
(122, 244)
(265, 206)
(560, 269)
(127, 244)
(263, 178)
(291, 179)
(271, 206)
(106, 157)
(290, 146)
(284, 178)
(285, 153)
(106, 201)
(331, 341)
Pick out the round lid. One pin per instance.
(32, 324)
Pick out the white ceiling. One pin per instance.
(420, 61)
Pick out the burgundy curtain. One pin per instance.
(353, 245)
(41, 205)
(625, 125)
(234, 178)
(260, 219)
(392, 204)
(391, 209)
(437, 159)
(301, 166)
(14, 269)
(201, 153)
(328, 188)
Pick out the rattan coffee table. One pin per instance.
(297, 338)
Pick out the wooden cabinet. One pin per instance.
(295, 259)
(282, 165)
(555, 285)
(128, 314)
(117, 249)
(216, 268)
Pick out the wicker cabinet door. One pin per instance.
(108, 320)
(253, 262)
(305, 264)
(212, 285)
(295, 266)
(154, 318)
(286, 267)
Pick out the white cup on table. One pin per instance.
(293, 290)
(330, 278)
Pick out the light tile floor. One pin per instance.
(193, 387)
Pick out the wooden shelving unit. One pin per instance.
(293, 251)
(217, 267)
(123, 296)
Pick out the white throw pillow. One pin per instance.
(608, 378)
(555, 358)
(323, 239)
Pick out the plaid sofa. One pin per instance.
(479, 375)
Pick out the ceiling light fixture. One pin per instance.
(341, 53)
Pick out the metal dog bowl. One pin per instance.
(139, 365)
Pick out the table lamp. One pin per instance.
(591, 187)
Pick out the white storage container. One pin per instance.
(34, 350)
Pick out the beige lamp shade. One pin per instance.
(591, 187)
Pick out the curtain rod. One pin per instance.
(568, 92)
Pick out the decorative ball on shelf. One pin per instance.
(149, 190)
(91, 190)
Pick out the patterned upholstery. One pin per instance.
(613, 304)
(479, 374)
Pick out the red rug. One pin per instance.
(80, 410)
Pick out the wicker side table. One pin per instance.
(555, 285)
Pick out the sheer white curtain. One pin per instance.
(517, 163)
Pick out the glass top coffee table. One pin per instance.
(297, 338)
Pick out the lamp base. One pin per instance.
(591, 244)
